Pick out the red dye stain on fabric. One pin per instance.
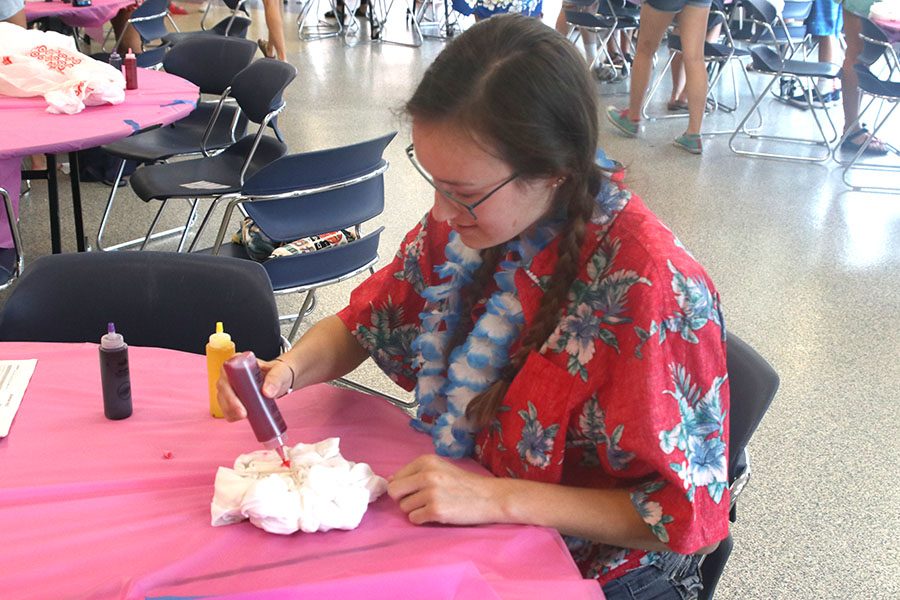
(167, 455)
(286, 463)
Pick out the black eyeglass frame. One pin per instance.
(411, 155)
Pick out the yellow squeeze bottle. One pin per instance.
(219, 349)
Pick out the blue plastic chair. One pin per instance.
(211, 63)
(158, 299)
(307, 194)
(258, 90)
(149, 20)
(233, 25)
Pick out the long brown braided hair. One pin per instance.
(520, 87)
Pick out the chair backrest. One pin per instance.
(149, 19)
(210, 61)
(753, 383)
(875, 43)
(324, 190)
(258, 87)
(157, 299)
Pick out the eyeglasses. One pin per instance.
(411, 155)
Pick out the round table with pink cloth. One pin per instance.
(29, 129)
(95, 15)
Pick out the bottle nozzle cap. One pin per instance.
(219, 338)
(110, 327)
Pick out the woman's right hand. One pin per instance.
(277, 382)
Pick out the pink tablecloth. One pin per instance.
(90, 508)
(95, 15)
(29, 129)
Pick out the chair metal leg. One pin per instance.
(142, 242)
(321, 30)
(192, 216)
(855, 163)
(742, 131)
(344, 382)
(305, 309)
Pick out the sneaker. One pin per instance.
(690, 142)
(818, 99)
(622, 122)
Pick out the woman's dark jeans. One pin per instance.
(672, 577)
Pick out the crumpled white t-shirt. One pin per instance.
(320, 491)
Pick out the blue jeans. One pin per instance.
(672, 577)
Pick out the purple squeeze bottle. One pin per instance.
(114, 376)
(268, 425)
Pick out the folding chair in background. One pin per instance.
(717, 55)
(234, 25)
(601, 25)
(210, 62)
(767, 61)
(149, 21)
(258, 91)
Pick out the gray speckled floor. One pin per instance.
(808, 272)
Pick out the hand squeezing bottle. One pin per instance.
(268, 425)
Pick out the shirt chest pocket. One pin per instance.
(527, 439)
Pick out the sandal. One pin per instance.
(266, 48)
(875, 148)
(676, 105)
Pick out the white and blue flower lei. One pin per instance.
(443, 391)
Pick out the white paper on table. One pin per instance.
(14, 378)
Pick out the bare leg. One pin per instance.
(128, 37)
(561, 25)
(18, 19)
(678, 89)
(653, 27)
(692, 23)
(850, 81)
(275, 26)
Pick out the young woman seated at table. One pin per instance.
(554, 329)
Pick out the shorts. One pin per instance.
(10, 7)
(671, 577)
(825, 18)
(674, 6)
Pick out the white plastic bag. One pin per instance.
(38, 63)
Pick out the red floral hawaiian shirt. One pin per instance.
(630, 391)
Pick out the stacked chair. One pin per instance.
(753, 383)
(233, 25)
(211, 63)
(11, 260)
(768, 61)
(878, 71)
(307, 194)
(258, 91)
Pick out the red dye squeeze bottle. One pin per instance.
(130, 67)
(114, 375)
(268, 425)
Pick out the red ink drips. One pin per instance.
(167, 455)
(286, 463)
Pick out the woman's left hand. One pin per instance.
(432, 489)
